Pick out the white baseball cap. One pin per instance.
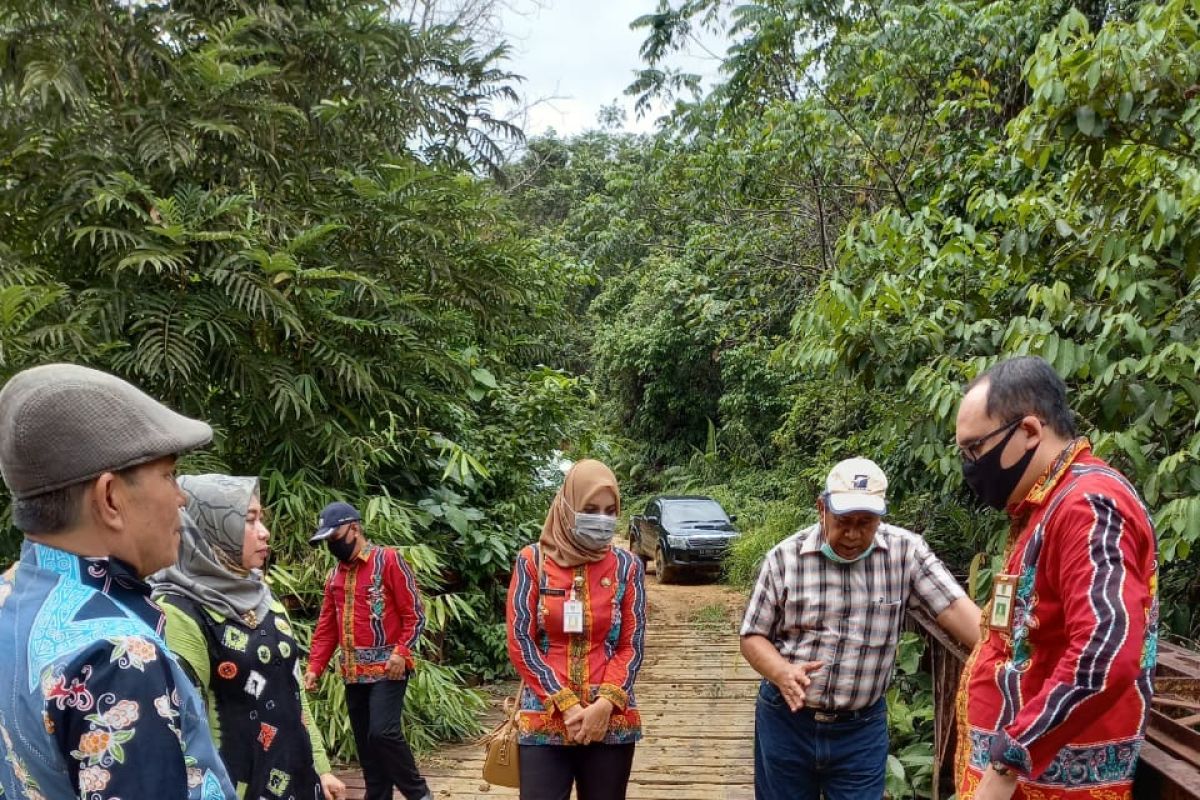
(856, 484)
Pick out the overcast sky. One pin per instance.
(579, 55)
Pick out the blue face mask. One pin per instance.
(828, 551)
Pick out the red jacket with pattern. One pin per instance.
(1064, 698)
(371, 609)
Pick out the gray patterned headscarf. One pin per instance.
(210, 554)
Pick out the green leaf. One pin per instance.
(1125, 106)
(484, 377)
(457, 520)
(1085, 120)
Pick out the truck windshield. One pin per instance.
(680, 511)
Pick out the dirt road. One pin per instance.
(697, 701)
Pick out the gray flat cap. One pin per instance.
(62, 424)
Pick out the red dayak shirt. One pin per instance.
(1063, 699)
(371, 609)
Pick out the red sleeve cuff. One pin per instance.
(410, 663)
(1005, 750)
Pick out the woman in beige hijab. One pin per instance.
(576, 623)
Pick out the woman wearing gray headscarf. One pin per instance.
(234, 639)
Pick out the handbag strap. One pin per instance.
(513, 704)
(541, 565)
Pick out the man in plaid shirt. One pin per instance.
(822, 627)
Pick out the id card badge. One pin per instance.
(572, 615)
(1004, 589)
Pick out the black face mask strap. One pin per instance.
(991, 482)
(341, 548)
(998, 450)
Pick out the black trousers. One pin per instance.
(598, 771)
(387, 761)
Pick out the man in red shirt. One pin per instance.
(1054, 699)
(372, 611)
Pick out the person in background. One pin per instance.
(92, 703)
(236, 642)
(372, 611)
(822, 627)
(1057, 694)
(576, 623)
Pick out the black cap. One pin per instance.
(334, 516)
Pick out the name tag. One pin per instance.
(1004, 589)
(573, 616)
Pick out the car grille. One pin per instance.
(714, 546)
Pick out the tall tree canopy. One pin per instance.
(877, 201)
(274, 216)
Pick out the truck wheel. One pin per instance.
(665, 573)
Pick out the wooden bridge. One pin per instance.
(697, 699)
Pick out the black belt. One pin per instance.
(829, 715)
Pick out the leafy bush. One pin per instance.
(270, 217)
(910, 723)
(779, 520)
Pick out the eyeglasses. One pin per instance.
(968, 451)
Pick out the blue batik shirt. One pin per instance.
(92, 704)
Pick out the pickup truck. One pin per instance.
(682, 534)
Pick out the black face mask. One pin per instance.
(992, 482)
(342, 549)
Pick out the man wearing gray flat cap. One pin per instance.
(92, 703)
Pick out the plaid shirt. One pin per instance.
(848, 616)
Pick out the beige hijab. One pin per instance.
(583, 482)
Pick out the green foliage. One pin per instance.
(271, 217)
(438, 704)
(714, 618)
(779, 521)
(653, 346)
(910, 723)
(878, 202)
(769, 505)
(1073, 239)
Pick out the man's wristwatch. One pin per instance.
(1001, 769)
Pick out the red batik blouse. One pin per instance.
(560, 670)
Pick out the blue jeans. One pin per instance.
(798, 758)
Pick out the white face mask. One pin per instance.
(594, 531)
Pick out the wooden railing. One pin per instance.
(1170, 760)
